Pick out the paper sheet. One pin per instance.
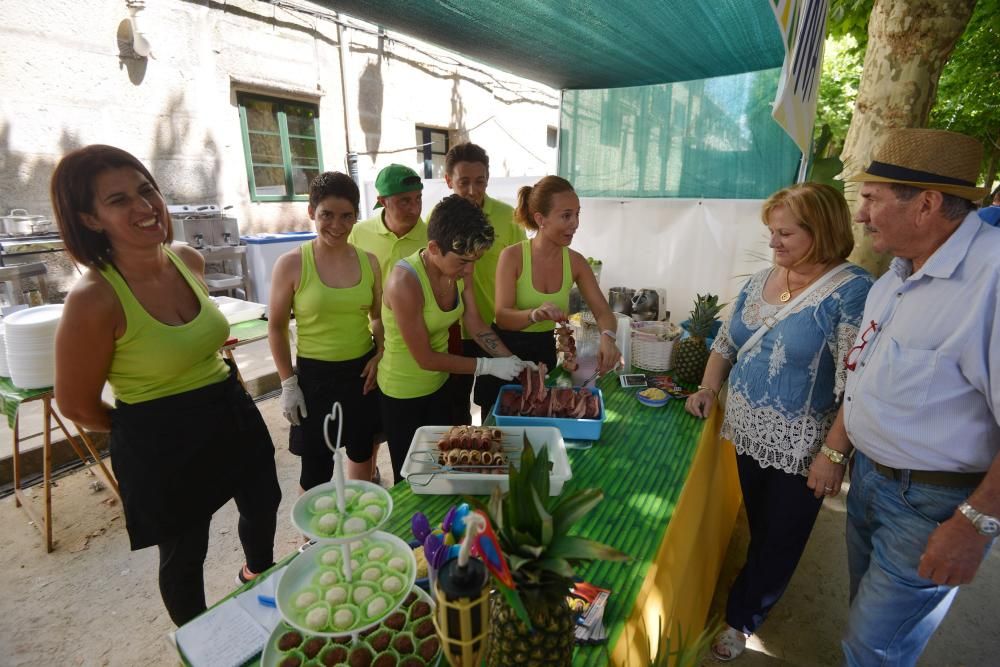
(233, 632)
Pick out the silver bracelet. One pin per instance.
(609, 333)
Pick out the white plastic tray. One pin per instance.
(238, 310)
(426, 479)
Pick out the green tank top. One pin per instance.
(153, 359)
(332, 322)
(399, 374)
(527, 296)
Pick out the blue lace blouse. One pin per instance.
(784, 392)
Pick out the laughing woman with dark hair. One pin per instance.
(425, 294)
(185, 436)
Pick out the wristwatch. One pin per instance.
(834, 455)
(986, 525)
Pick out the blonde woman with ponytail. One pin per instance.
(534, 277)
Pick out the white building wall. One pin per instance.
(66, 86)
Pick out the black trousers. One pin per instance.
(781, 511)
(182, 561)
(401, 417)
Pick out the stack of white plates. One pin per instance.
(3, 354)
(30, 339)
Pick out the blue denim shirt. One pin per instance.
(783, 392)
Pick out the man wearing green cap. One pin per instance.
(396, 231)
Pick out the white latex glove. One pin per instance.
(292, 400)
(505, 368)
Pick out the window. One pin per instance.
(432, 146)
(281, 145)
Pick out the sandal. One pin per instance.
(729, 644)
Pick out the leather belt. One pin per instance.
(960, 480)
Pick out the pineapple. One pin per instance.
(691, 354)
(533, 531)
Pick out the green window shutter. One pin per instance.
(281, 147)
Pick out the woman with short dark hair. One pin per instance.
(185, 435)
(425, 294)
(335, 291)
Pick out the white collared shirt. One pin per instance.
(925, 393)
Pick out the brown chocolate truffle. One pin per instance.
(419, 610)
(290, 661)
(344, 640)
(411, 662)
(313, 646)
(385, 660)
(380, 640)
(336, 655)
(429, 648)
(289, 640)
(360, 656)
(396, 621)
(425, 628)
(403, 645)
(410, 599)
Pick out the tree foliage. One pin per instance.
(968, 95)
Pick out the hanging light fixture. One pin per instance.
(140, 45)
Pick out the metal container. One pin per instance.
(19, 223)
(620, 299)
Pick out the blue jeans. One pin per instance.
(894, 611)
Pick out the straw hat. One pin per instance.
(927, 159)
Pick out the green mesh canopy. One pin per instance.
(662, 98)
(712, 138)
(595, 44)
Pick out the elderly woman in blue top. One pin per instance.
(785, 384)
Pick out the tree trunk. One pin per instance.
(909, 42)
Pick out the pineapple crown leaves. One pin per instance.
(533, 527)
(703, 316)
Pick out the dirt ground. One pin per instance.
(93, 602)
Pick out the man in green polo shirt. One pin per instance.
(396, 231)
(467, 173)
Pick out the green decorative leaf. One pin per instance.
(559, 566)
(544, 518)
(580, 548)
(571, 508)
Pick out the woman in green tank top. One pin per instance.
(334, 289)
(425, 294)
(185, 436)
(534, 277)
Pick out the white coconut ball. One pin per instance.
(392, 585)
(371, 574)
(376, 553)
(355, 525)
(369, 497)
(328, 522)
(336, 595)
(398, 564)
(304, 599)
(316, 618)
(331, 557)
(328, 578)
(377, 607)
(343, 618)
(349, 494)
(374, 511)
(357, 544)
(323, 503)
(355, 565)
(362, 593)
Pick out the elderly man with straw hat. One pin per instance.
(922, 399)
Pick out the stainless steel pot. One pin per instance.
(620, 299)
(19, 223)
(646, 305)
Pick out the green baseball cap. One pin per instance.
(397, 179)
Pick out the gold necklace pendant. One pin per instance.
(784, 296)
